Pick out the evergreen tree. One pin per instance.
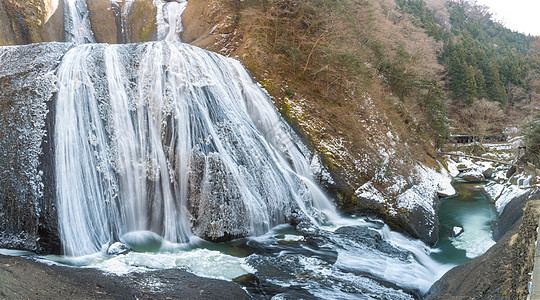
(494, 86)
(532, 140)
(432, 103)
(470, 85)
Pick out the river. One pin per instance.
(472, 210)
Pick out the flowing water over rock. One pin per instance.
(169, 19)
(76, 22)
(160, 144)
(155, 136)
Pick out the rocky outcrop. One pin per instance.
(208, 24)
(217, 209)
(105, 21)
(32, 21)
(123, 21)
(512, 213)
(27, 189)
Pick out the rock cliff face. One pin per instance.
(33, 21)
(27, 207)
(123, 21)
(36, 21)
(356, 138)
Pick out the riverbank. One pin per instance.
(22, 278)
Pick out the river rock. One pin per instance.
(457, 231)
(511, 171)
(118, 248)
(473, 176)
(488, 173)
(444, 194)
(463, 167)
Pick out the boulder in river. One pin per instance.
(118, 248)
(457, 231)
(488, 173)
(473, 176)
(444, 194)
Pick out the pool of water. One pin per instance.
(350, 258)
(472, 210)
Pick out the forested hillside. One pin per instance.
(491, 71)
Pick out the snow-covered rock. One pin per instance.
(473, 176)
(118, 248)
(457, 231)
(488, 173)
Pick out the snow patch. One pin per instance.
(422, 194)
(367, 190)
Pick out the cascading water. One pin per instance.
(137, 146)
(167, 138)
(169, 19)
(77, 27)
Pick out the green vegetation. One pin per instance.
(425, 17)
(532, 140)
(483, 59)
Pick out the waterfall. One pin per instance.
(156, 144)
(168, 19)
(77, 23)
(165, 137)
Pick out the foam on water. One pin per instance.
(202, 262)
(476, 238)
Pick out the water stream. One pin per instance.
(472, 210)
(77, 27)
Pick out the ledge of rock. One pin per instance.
(21, 278)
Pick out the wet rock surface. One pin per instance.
(21, 278)
(27, 85)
